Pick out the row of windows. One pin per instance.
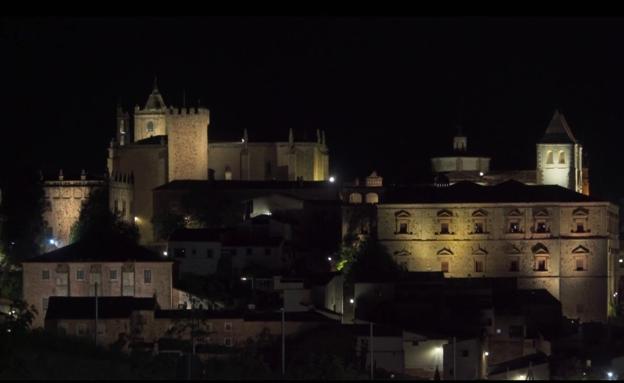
(540, 264)
(513, 227)
(369, 198)
(560, 158)
(112, 275)
(180, 252)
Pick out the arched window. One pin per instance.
(372, 198)
(549, 157)
(561, 157)
(150, 127)
(355, 198)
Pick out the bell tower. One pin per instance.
(560, 156)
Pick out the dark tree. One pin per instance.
(96, 221)
(367, 259)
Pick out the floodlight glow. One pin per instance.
(351, 301)
(481, 174)
(329, 258)
(332, 179)
(51, 242)
(165, 253)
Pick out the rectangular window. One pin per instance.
(228, 326)
(541, 265)
(267, 251)
(514, 266)
(249, 251)
(580, 264)
(80, 275)
(227, 341)
(514, 227)
(113, 275)
(127, 286)
(478, 229)
(579, 227)
(444, 228)
(444, 266)
(209, 253)
(478, 266)
(147, 276)
(45, 274)
(179, 252)
(403, 228)
(541, 227)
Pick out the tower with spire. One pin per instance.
(559, 156)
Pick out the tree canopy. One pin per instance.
(96, 220)
(365, 260)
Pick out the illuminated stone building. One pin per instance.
(559, 161)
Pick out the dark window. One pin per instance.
(193, 251)
(209, 253)
(541, 265)
(45, 274)
(403, 227)
(444, 267)
(541, 227)
(444, 228)
(516, 332)
(227, 326)
(147, 276)
(179, 252)
(514, 227)
(478, 229)
(579, 227)
(580, 264)
(478, 266)
(80, 275)
(513, 266)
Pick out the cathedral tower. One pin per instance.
(151, 120)
(560, 156)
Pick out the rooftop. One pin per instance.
(99, 250)
(469, 192)
(84, 307)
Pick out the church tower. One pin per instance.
(560, 156)
(151, 120)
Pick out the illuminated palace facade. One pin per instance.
(547, 232)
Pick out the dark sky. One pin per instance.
(388, 91)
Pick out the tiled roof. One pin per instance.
(468, 192)
(558, 131)
(108, 307)
(100, 251)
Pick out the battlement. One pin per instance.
(188, 111)
(122, 178)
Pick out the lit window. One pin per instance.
(45, 274)
(80, 275)
(147, 276)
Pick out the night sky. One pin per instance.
(388, 91)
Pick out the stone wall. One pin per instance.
(187, 133)
(425, 248)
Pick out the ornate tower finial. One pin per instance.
(61, 177)
(83, 175)
(291, 139)
(318, 136)
(245, 137)
(323, 142)
(155, 88)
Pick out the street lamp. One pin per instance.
(332, 179)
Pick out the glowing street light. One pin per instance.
(610, 374)
(243, 278)
(332, 179)
(486, 353)
(481, 174)
(329, 259)
(136, 219)
(165, 253)
(351, 301)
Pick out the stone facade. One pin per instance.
(62, 204)
(566, 248)
(44, 279)
(187, 144)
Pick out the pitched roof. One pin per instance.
(84, 307)
(100, 250)
(558, 131)
(155, 100)
(469, 192)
